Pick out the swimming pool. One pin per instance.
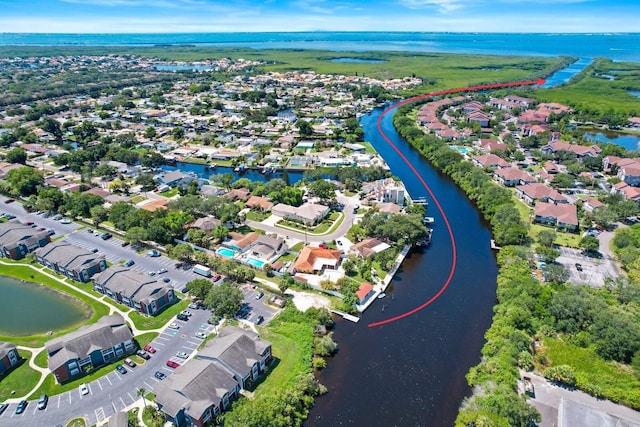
(226, 252)
(258, 263)
(461, 150)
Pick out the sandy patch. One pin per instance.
(305, 300)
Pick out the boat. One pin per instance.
(428, 220)
(381, 295)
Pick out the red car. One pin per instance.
(9, 201)
(149, 349)
(172, 364)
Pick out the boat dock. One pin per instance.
(347, 316)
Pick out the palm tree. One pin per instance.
(140, 393)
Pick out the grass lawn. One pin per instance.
(325, 227)
(146, 338)
(170, 193)
(155, 322)
(287, 257)
(297, 247)
(77, 422)
(137, 199)
(196, 160)
(617, 382)
(95, 309)
(22, 379)
(254, 215)
(569, 240)
(41, 359)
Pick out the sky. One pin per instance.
(176, 16)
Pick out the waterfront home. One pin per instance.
(241, 352)
(170, 179)
(532, 193)
(315, 260)
(510, 177)
(627, 191)
(369, 247)
(196, 392)
(238, 194)
(564, 216)
(212, 190)
(268, 247)
(144, 294)
(364, 292)
(9, 357)
(308, 213)
(17, 240)
(72, 261)
(89, 347)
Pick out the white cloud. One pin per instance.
(442, 5)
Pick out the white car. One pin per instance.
(182, 355)
(174, 325)
(65, 221)
(187, 312)
(162, 270)
(84, 390)
(201, 335)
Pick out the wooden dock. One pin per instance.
(347, 316)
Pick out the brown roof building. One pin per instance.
(312, 259)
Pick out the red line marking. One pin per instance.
(454, 249)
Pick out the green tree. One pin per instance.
(182, 251)
(224, 300)
(136, 235)
(24, 180)
(199, 288)
(547, 237)
(304, 127)
(590, 244)
(16, 155)
(98, 214)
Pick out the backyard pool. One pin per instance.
(226, 252)
(461, 150)
(258, 263)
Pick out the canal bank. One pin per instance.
(412, 371)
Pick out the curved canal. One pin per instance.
(412, 372)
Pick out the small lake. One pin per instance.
(630, 142)
(30, 309)
(358, 60)
(564, 75)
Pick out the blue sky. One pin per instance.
(140, 16)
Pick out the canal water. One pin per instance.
(565, 74)
(29, 309)
(412, 372)
(630, 142)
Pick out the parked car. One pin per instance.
(201, 335)
(193, 306)
(94, 250)
(22, 405)
(159, 375)
(174, 326)
(65, 221)
(42, 402)
(29, 223)
(162, 270)
(56, 217)
(578, 266)
(149, 349)
(186, 312)
(172, 364)
(129, 263)
(151, 273)
(51, 232)
(166, 279)
(183, 317)
(3, 407)
(123, 244)
(259, 295)
(106, 236)
(121, 369)
(182, 355)
(143, 354)
(153, 253)
(259, 320)
(9, 201)
(84, 390)
(130, 363)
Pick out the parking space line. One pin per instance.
(100, 384)
(149, 387)
(108, 379)
(69, 397)
(131, 397)
(59, 399)
(123, 404)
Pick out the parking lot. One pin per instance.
(257, 307)
(594, 270)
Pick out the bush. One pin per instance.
(561, 374)
(319, 363)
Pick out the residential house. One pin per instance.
(170, 179)
(364, 292)
(490, 161)
(627, 191)
(512, 176)
(267, 247)
(257, 202)
(538, 192)
(154, 205)
(196, 393)
(238, 194)
(5, 167)
(490, 145)
(72, 261)
(9, 356)
(315, 260)
(627, 169)
(478, 117)
(206, 224)
(590, 204)
(89, 347)
(240, 242)
(563, 215)
(212, 190)
(145, 294)
(308, 213)
(240, 351)
(17, 240)
(369, 247)
(580, 150)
